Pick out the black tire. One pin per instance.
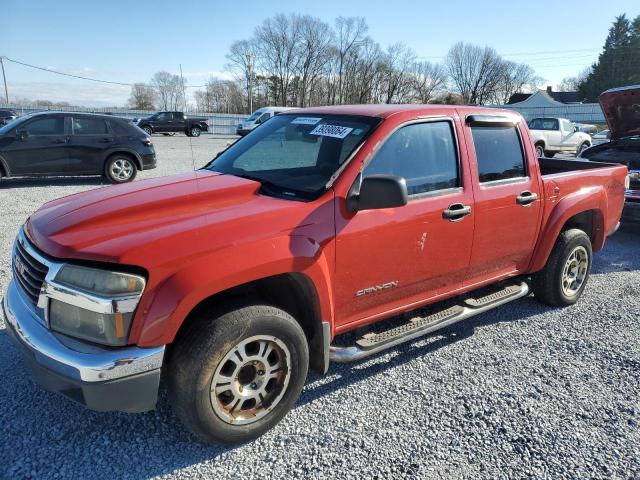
(547, 284)
(582, 147)
(147, 129)
(203, 351)
(120, 162)
(540, 150)
(194, 132)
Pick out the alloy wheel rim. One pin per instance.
(251, 380)
(539, 152)
(195, 132)
(575, 271)
(121, 169)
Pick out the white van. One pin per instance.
(258, 117)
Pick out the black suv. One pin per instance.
(64, 143)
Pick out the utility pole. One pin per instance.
(250, 57)
(4, 78)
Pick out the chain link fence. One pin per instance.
(219, 123)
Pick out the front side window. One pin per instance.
(498, 152)
(568, 126)
(46, 126)
(424, 154)
(164, 116)
(264, 118)
(293, 155)
(89, 126)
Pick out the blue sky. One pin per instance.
(128, 41)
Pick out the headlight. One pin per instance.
(104, 314)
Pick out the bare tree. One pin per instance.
(142, 97)
(572, 84)
(475, 71)
(169, 89)
(429, 80)
(241, 59)
(313, 52)
(350, 32)
(515, 77)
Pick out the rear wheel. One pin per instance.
(235, 374)
(582, 147)
(562, 280)
(194, 132)
(147, 129)
(540, 150)
(120, 169)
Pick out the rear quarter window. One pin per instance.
(119, 129)
(499, 153)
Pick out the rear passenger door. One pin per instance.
(392, 257)
(91, 137)
(507, 199)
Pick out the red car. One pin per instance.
(234, 279)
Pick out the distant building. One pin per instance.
(544, 98)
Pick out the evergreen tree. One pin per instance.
(618, 64)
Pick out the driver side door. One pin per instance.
(390, 258)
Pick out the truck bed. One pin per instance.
(550, 166)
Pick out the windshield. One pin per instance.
(255, 115)
(14, 123)
(295, 156)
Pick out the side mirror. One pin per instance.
(378, 191)
(21, 134)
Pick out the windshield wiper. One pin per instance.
(269, 186)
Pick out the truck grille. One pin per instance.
(28, 272)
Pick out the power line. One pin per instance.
(64, 74)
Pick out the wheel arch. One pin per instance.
(584, 209)
(293, 292)
(129, 153)
(4, 168)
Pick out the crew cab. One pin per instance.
(172, 122)
(234, 279)
(557, 135)
(621, 107)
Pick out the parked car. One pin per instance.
(172, 122)
(259, 117)
(557, 135)
(587, 128)
(621, 107)
(60, 143)
(7, 116)
(234, 279)
(600, 138)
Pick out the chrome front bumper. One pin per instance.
(102, 378)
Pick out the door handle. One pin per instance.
(104, 140)
(526, 198)
(456, 211)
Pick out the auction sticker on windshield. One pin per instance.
(335, 131)
(305, 120)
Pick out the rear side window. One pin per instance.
(119, 129)
(424, 154)
(499, 153)
(89, 126)
(46, 126)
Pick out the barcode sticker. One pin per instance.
(305, 120)
(335, 131)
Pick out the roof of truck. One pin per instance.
(386, 110)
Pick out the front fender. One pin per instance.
(586, 199)
(163, 310)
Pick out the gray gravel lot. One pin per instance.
(522, 391)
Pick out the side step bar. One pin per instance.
(372, 343)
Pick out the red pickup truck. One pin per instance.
(234, 279)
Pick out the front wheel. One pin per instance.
(233, 375)
(540, 150)
(147, 129)
(120, 169)
(582, 147)
(562, 280)
(194, 132)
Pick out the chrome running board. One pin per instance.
(371, 343)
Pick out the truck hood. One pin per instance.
(621, 107)
(123, 223)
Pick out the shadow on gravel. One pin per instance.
(26, 182)
(621, 252)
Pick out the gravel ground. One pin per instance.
(522, 391)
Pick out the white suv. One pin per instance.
(556, 135)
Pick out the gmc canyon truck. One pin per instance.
(172, 122)
(621, 108)
(557, 135)
(231, 281)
